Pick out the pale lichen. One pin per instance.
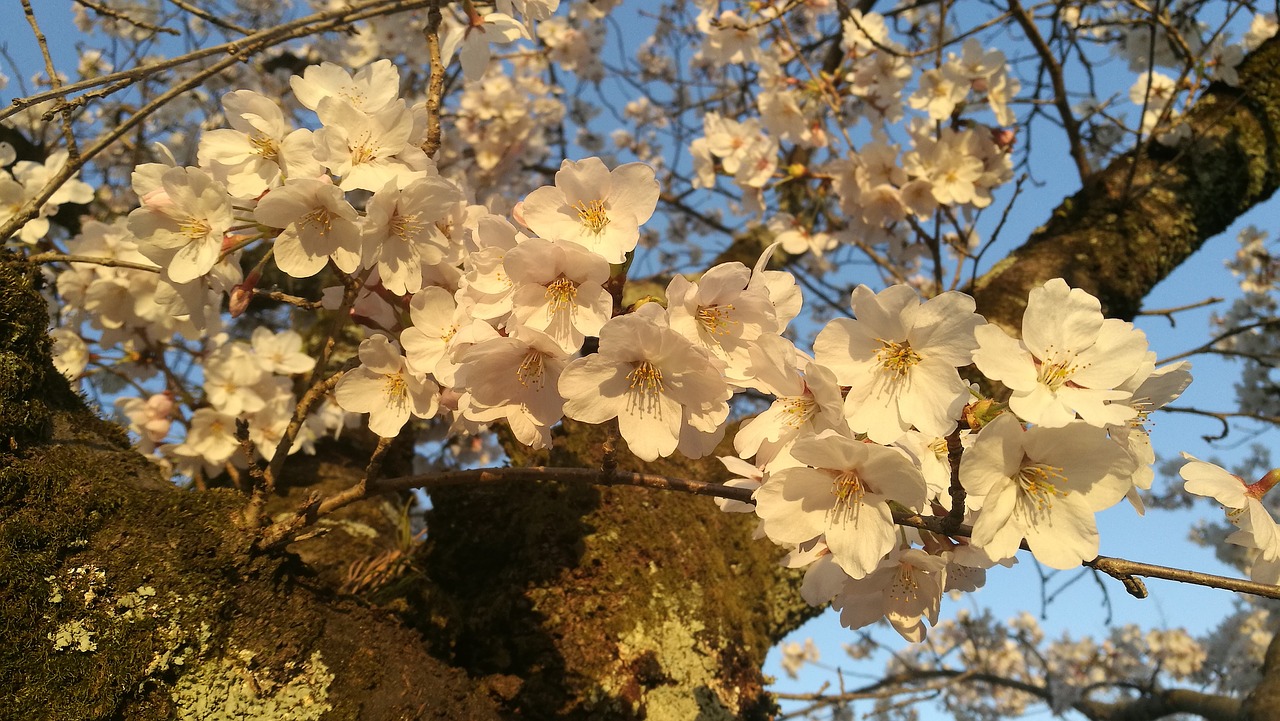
(229, 688)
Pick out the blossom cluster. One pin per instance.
(879, 421)
(486, 318)
(475, 318)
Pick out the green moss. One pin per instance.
(30, 388)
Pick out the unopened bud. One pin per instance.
(980, 413)
(242, 294)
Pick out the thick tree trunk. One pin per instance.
(123, 597)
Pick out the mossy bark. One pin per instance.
(123, 597)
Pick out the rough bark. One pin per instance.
(534, 601)
(1151, 209)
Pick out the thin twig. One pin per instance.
(435, 87)
(210, 18)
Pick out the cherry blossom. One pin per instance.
(1044, 485)
(1070, 359)
(843, 496)
(899, 357)
(600, 209)
(384, 387)
(646, 375)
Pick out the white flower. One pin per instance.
(280, 353)
(368, 151)
(259, 149)
(899, 358)
(400, 232)
(230, 374)
(180, 224)
(372, 88)
(722, 313)
(1070, 359)
(647, 376)
(385, 388)
(1258, 530)
(70, 354)
(1043, 485)
(471, 42)
(844, 497)
(318, 224)
(906, 588)
(599, 209)
(806, 404)
(559, 290)
(516, 378)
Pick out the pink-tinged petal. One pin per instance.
(361, 391)
(1064, 536)
(1002, 358)
(1206, 479)
(859, 543)
(633, 191)
(1059, 317)
(996, 531)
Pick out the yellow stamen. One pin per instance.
(531, 369)
(904, 586)
(647, 386)
(716, 319)
(1037, 481)
(405, 227)
(797, 409)
(396, 389)
(848, 489)
(560, 295)
(593, 214)
(897, 357)
(265, 147)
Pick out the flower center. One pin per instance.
(319, 217)
(897, 357)
(647, 386)
(264, 146)
(848, 489)
(363, 151)
(396, 389)
(195, 228)
(716, 319)
(1039, 484)
(593, 214)
(530, 371)
(1055, 373)
(405, 227)
(560, 294)
(797, 409)
(904, 586)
